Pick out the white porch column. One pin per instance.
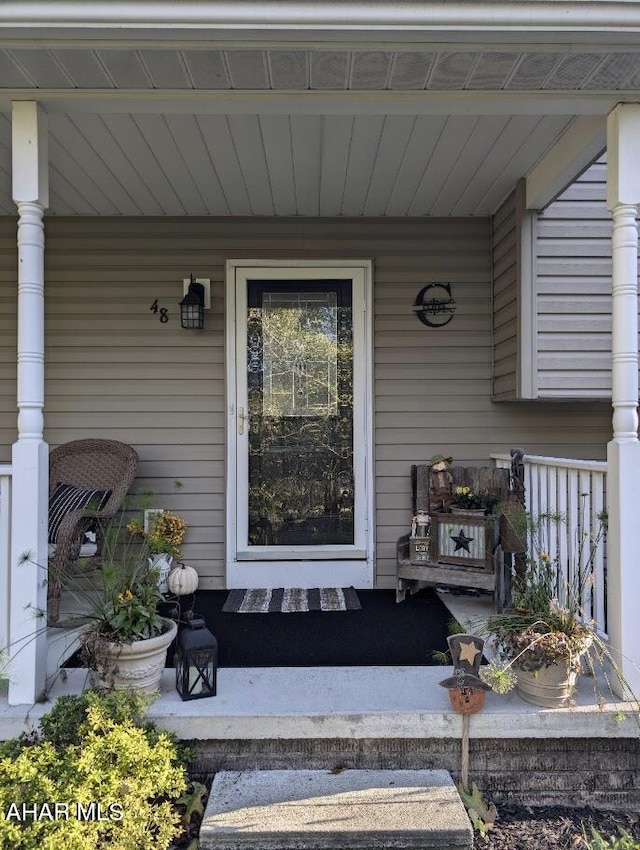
(30, 459)
(623, 455)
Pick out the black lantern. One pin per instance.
(192, 306)
(196, 661)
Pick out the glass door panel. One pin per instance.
(300, 390)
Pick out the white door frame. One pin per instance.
(302, 566)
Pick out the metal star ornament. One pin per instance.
(462, 541)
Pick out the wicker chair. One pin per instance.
(92, 464)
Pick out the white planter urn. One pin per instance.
(139, 665)
(163, 563)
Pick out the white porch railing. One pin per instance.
(5, 551)
(575, 489)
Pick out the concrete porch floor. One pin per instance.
(355, 702)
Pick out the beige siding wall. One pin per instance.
(504, 258)
(114, 370)
(574, 291)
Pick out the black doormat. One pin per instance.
(382, 632)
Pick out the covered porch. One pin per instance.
(395, 718)
(175, 151)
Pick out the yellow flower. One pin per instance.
(166, 534)
(545, 558)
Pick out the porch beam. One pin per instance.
(30, 455)
(189, 101)
(623, 452)
(582, 142)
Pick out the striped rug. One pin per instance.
(291, 600)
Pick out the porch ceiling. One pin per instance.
(285, 165)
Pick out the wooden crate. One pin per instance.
(463, 541)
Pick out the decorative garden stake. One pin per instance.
(466, 688)
(466, 694)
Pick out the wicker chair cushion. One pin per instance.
(66, 498)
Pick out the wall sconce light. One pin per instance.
(197, 299)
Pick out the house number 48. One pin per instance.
(161, 312)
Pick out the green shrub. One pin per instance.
(62, 725)
(94, 751)
(623, 841)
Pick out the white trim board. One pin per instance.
(188, 101)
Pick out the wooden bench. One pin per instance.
(461, 551)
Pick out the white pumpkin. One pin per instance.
(182, 580)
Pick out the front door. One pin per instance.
(299, 462)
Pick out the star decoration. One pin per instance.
(468, 652)
(462, 541)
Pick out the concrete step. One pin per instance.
(323, 810)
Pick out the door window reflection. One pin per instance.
(300, 405)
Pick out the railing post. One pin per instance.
(623, 452)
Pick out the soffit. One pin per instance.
(201, 69)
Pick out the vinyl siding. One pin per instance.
(574, 291)
(505, 244)
(113, 370)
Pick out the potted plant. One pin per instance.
(164, 537)
(546, 637)
(468, 503)
(124, 639)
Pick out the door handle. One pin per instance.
(241, 418)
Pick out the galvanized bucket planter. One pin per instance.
(549, 687)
